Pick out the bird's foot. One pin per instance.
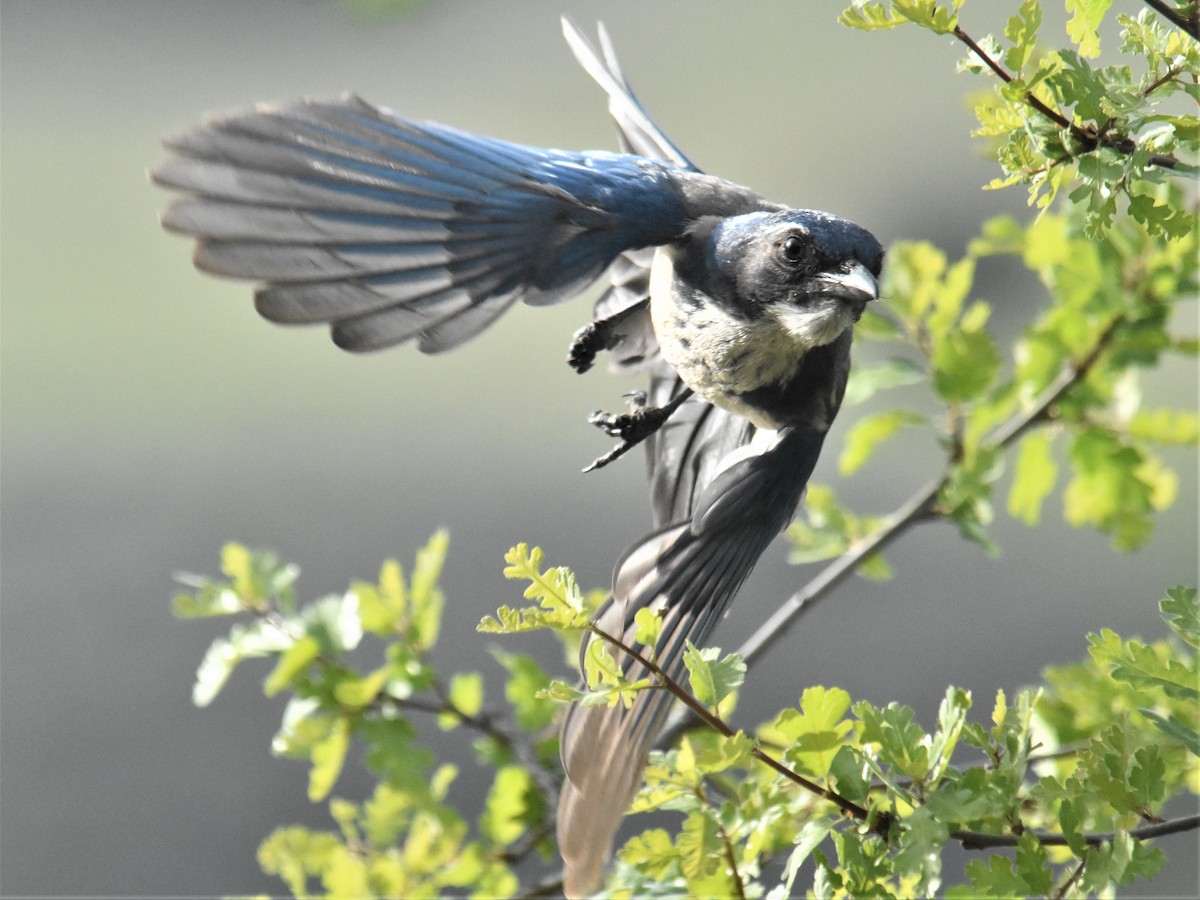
(633, 427)
(597, 335)
(590, 340)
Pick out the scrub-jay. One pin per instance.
(738, 309)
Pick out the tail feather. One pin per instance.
(690, 571)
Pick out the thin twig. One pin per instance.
(975, 840)
(721, 726)
(921, 505)
(1062, 889)
(739, 889)
(487, 725)
(1088, 139)
(1190, 25)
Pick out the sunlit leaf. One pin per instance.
(1034, 476)
(328, 757)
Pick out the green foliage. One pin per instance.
(1114, 260)
(1054, 786)
(405, 839)
(1060, 778)
(1111, 133)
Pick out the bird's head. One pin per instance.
(812, 272)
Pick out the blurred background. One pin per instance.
(149, 415)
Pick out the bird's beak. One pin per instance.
(857, 286)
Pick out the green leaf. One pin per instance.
(1034, 476)
(965, 363)
(294, 660)
(1166, 426)
(1107, 490)
(384, 607)
(334, 623)
(1022, 32)
(465, 695)
(867, 434)
(709, 753)
(1181, 611)
(869, 16)
(211, 599)
(649, 627)
(713, 679)
(810, 837)
(526, 678)
(1084, 23)
(502, 820)
(902, 743)
(919, 854)
(699, 846)
(426, 596)
(393, 755)
(294, 853)
(554, 589)
(998, 877)
(1175, 729)
(929, 14)
(652, 851)
(259, 638)
(328, 757)
(866, 381)
(1148, 774)
(561, 601)
(952, 716)
(1144, 665)
(815, 733)
(851, 775)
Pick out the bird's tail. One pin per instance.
(690, 571)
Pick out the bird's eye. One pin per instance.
(793, 249)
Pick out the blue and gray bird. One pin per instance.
(738, 310)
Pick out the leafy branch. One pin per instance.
(1088, 138)
(1185, 17)
(933, 802)
(921, 507)
(717, 724)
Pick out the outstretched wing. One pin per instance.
(389, 229)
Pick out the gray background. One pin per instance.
(148, 415)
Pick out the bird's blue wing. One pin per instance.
(390, 229)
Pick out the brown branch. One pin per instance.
(1088, 139)
(731, 860)
(975, 840)
(720, 726)
(1188, 24)
(1061, 891)
(920, 507)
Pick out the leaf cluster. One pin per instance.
(1066, 395)
(409, 837)
(1114, 134)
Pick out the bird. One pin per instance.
(738, 311)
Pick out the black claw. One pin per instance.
(633, 427)
(588, 341)
(597, 335)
